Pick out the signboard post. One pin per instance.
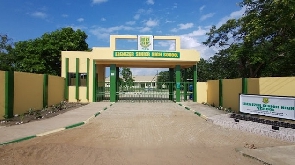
(273, 106)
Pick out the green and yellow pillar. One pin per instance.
(195, 81)
(171, 84)
(178, 84)
(113, 83)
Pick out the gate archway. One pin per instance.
(92, 86)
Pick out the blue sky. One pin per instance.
(189, 19)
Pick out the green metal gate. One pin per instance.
(146, 92)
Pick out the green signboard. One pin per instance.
(152, 54)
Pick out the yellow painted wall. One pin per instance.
(82, 94)
(2, 94)
(213, 92)
(253, 85)
(283, 86)
(56, 87)
(202, 92)
(28, 92)
(72, 94)
(231, 88)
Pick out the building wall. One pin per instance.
(202, 88)
(253, 85)
(56, 86)
(2, 94)
(231, 88)
(282, 86)
(213, 92)
(28, 92)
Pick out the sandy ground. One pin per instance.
(139, 133)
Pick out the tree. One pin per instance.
(163, 77)
(6, 61)
(127, 78)
(42, 55)
(261, 39)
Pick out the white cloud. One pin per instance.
(101, 32)
(150, 2)
(235, 14)
(168, 21)
(39, 14)
(193, 40)
(103, 19)
(145, 29)
(185, 26)
(199, 32)
(142, 11)
(174, 30)
(206, 16)
(65, 15)
(166, 45)
(151, 23)
(188, 42)
(136, 16)
(202, 8)
(130, 22)
(80, 19)
(98, 1)
(146, 71)
(182, 27)
(174, 5)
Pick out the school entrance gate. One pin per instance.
(85, 78)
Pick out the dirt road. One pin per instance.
(139, 133)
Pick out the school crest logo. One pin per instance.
(145, 42)
(265, 100)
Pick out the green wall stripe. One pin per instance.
(94, 81)
(178, 77)
(113, 82)
(117, 84)
(195, 86)
(220, 93)
(9, 94)
(244, 85)
(171, 93)
(45, 90)
(67, 79)
(77, 79)
(87, 80)
(185, 84)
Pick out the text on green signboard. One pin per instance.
(146, 54)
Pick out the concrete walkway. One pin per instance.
(270, 155)
(53, 124)
(205, 111)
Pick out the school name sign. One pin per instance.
(274, 106)
(152, 54)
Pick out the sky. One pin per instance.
(190, 19)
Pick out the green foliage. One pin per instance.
(163, 77)
(6, 61)
(261, 42)
(127, 80)
(43, 55)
